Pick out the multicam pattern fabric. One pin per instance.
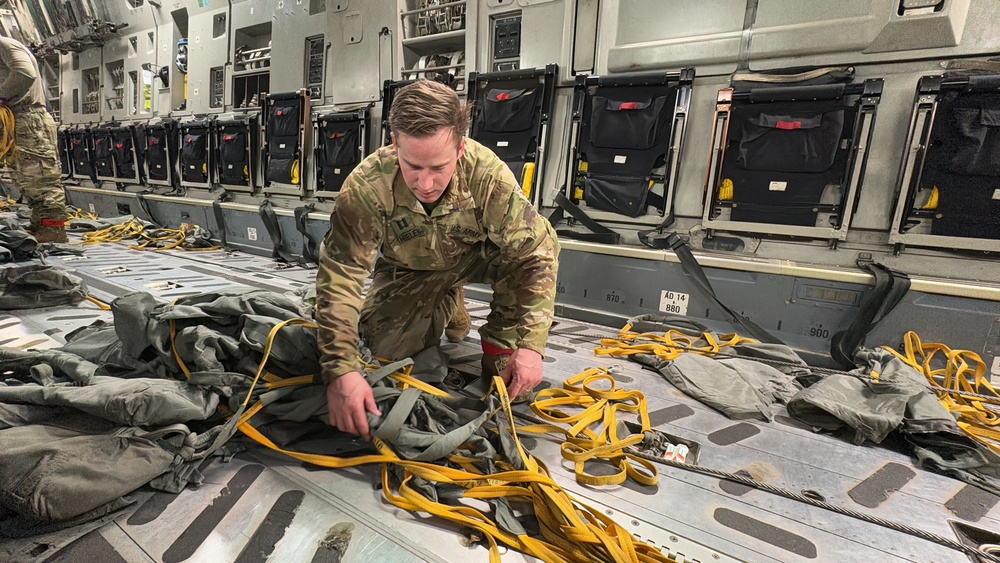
(36, 164)
(482, 231)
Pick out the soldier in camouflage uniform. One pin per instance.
(444, 211)
(35, 162)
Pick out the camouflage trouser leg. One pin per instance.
(406, 311)
(36, 168)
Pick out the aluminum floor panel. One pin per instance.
(263, 506)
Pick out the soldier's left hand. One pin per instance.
(524, 371)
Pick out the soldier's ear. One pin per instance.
(392, 137)
(461, 148)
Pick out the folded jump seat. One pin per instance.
(627, 138)
(104, 163)
(81, 152)
(196, 154)
(161, 153)
(341, 143)
(283, 132)
(511, 117)
(788, 153)
(238, 144)
(952, 178)
(126, 155)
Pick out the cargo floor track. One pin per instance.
(261, 503)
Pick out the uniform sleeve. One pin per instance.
(346, 259)
(529, 251)
(21, 76)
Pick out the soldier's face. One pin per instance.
(427, 163)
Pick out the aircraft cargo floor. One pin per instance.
(263, 506)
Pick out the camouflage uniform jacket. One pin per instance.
(483, 205)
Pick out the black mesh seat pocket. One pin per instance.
(283, 146)
(978, 141)
(776, 214)
(123, 150)
(102, 155)
(194, 150)
(234, 173)
(123, 158)
(507, 111)
(81, 160)
(156, 156)
(791, 142)
(333, 178)
(233, 147)
(102, 147)
(623, 124)
(340, 145)
(626, 196)
(283, 120)
(967, 209)
(233, 155)
(283, 170)
(193, 147)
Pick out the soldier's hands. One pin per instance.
(524, 371)
(348, 398)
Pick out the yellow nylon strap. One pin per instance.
(176, 237)
(959, 372)
(173, 349)
(666, 346)
(597, 406)
(6, 131)
(100, 304)
(410, 381)
(114, 233)
(275, 382)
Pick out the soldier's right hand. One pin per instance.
(348, 398)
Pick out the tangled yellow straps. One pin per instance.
(570, 530)
(594, 405)
(959, 373)
(161, 239)
(666, 346)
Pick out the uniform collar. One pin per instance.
(457, 196)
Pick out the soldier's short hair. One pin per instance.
(422, 108)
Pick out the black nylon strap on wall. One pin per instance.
(599, 233)
(310, 247)
(890, 287)
(692, 268)
(274, 231)
(220, 222)
(660, 240)
(144, 205)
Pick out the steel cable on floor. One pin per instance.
(892, 525)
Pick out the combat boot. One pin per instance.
(494, 363)
(461, 323)
(50, 230)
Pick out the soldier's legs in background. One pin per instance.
(37, 173)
